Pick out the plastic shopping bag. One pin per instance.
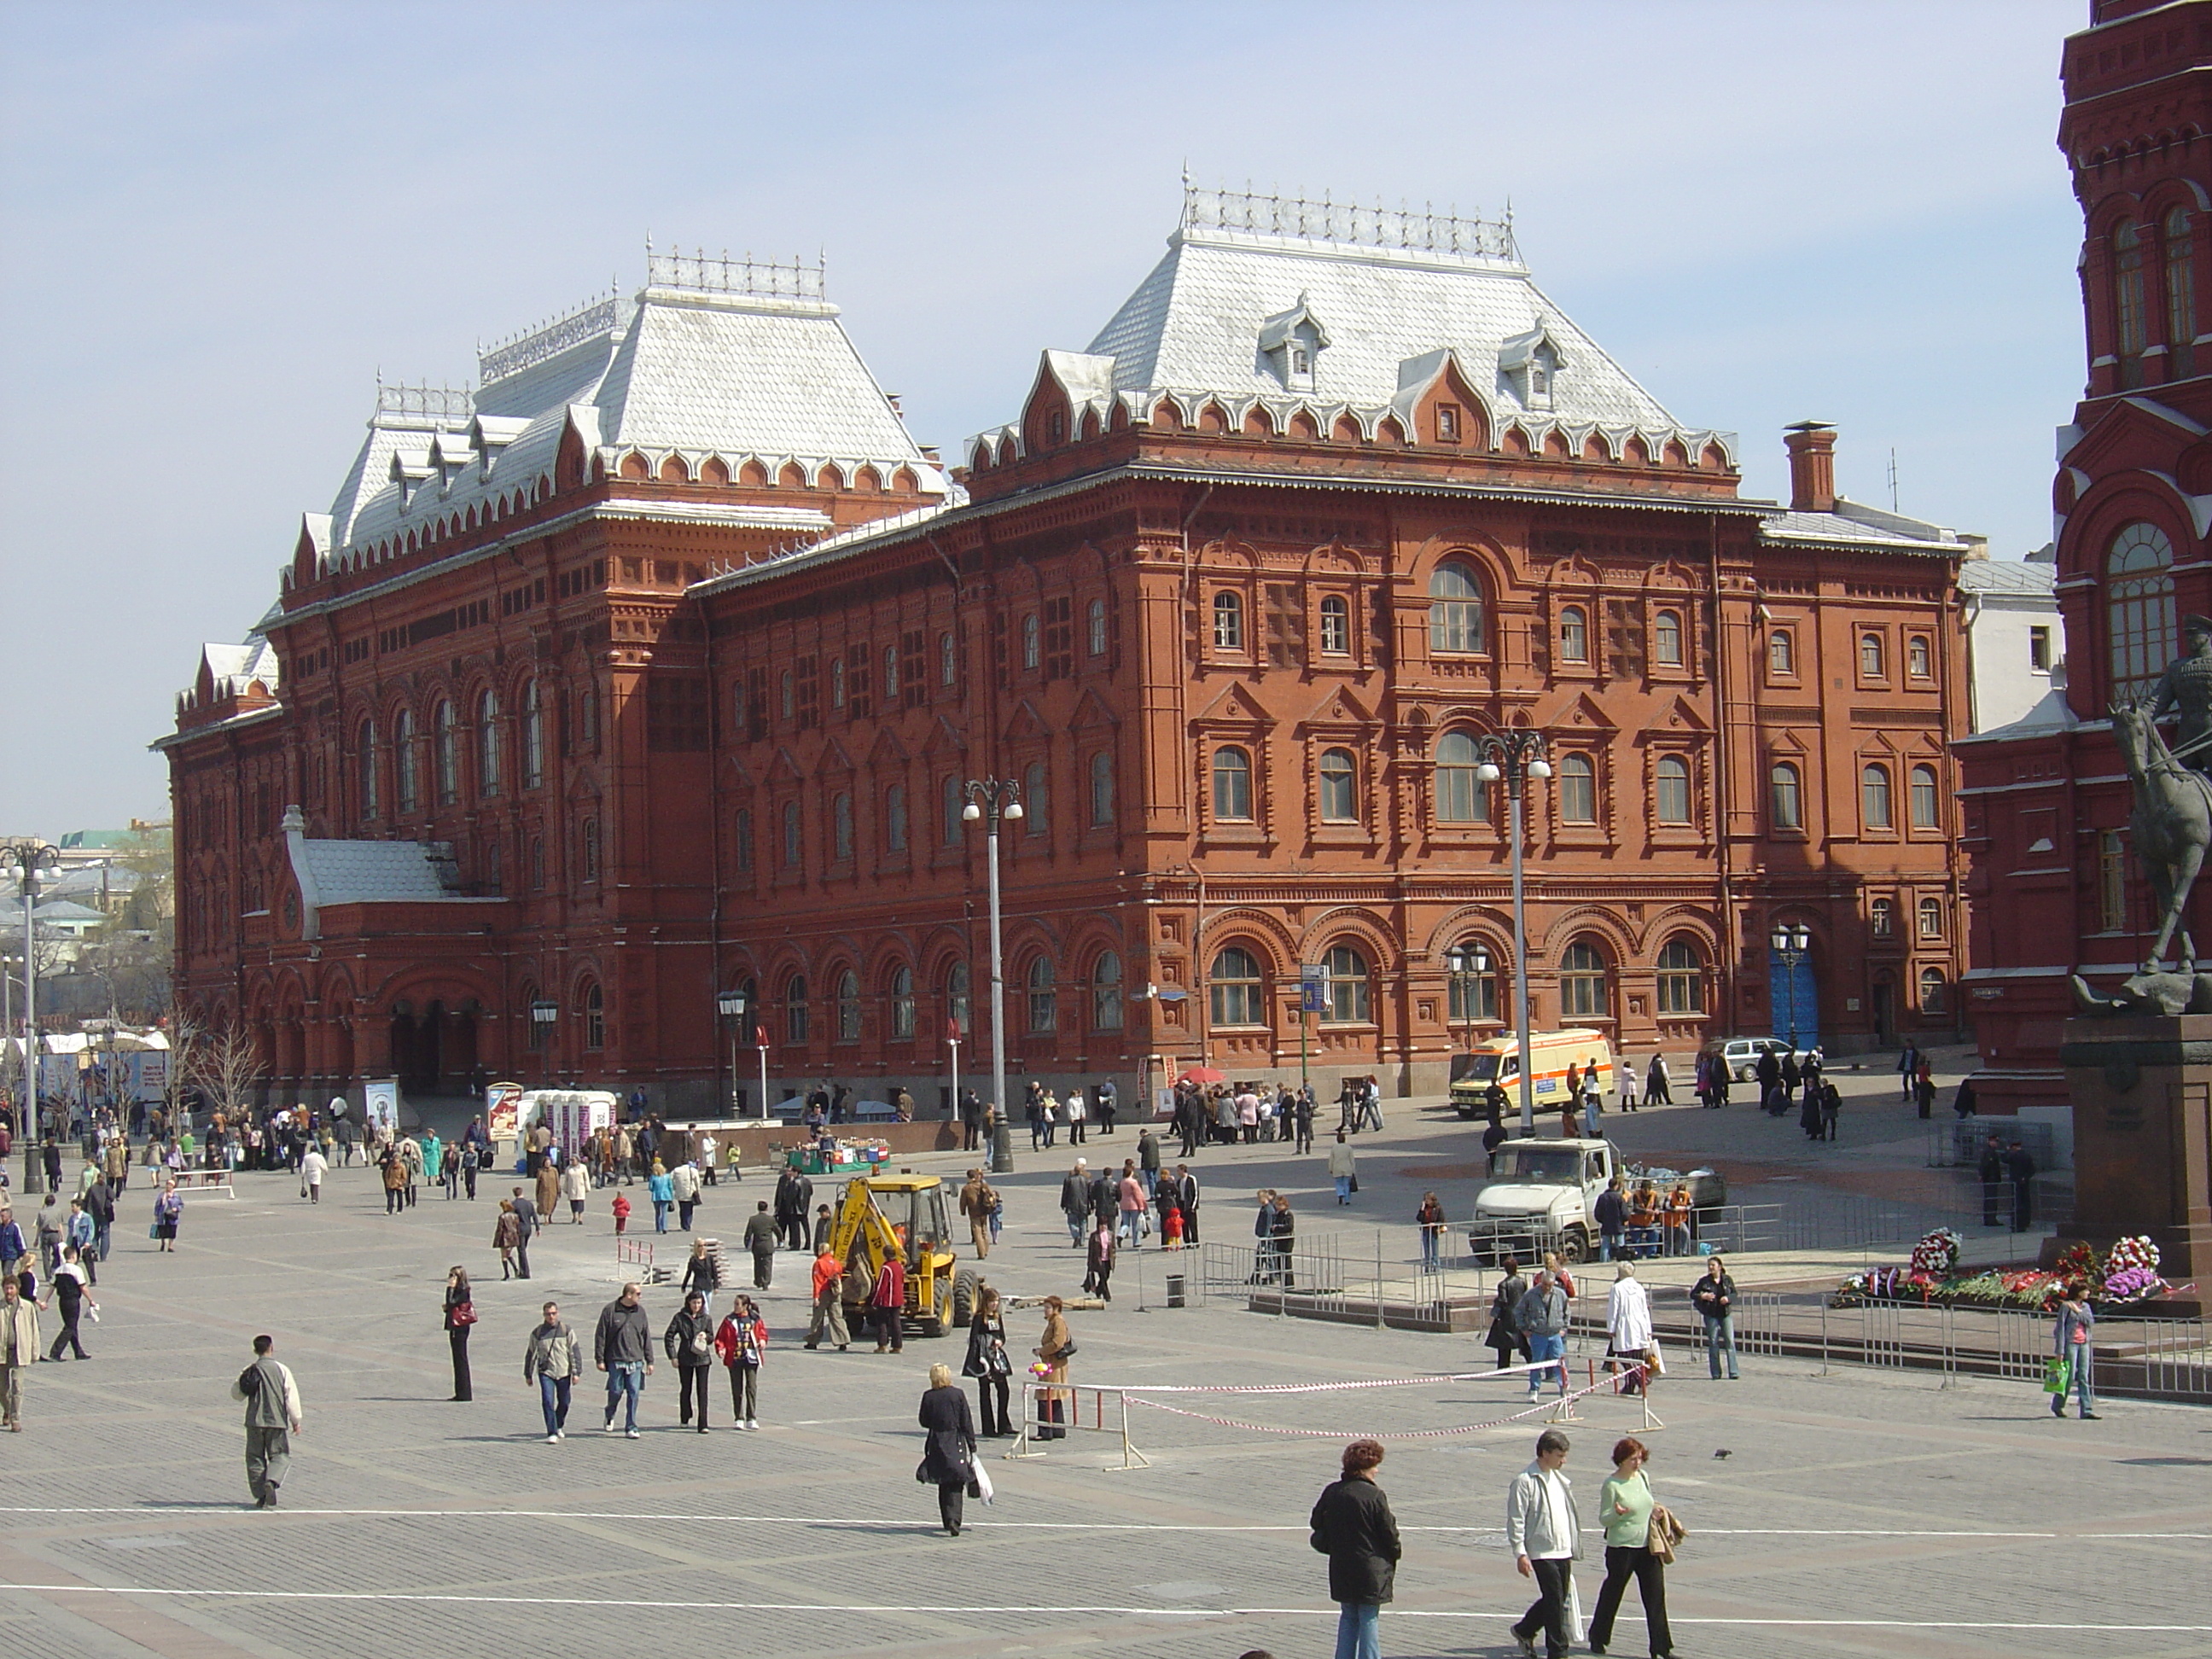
(2056, 1375)
(979, 1483)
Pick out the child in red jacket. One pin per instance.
(621, 1214)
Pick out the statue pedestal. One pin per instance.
(2142, 1088)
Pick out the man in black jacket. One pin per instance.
(1075, 1200)
(1714, 1297)
(2021, 1168)
(1990, 1171)
(1611, 1215)
(1186, 1195)
(621, 1347)
(1353, 1527)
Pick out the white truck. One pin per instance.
(1542, 1195)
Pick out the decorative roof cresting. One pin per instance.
(1348, 224)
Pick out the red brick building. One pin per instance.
(2046, 801)
(627, 682)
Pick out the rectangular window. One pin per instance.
(858, 683)
(913, 678)
(753, 713)
(1058, 639)
(808, 673)
(2038, 649)
(1447, 424)
(2112, 882)
(1000, 671)
(1335, 626)
(1286, 626)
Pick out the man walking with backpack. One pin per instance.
(272, 1418)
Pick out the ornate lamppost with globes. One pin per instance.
(989, 801)
(25, 863)
(1516, 755)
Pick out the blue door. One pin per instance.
(1784, 983)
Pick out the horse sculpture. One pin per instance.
(2172, 824)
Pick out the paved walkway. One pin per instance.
(1858, 1513)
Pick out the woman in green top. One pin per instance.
(1624, 1504)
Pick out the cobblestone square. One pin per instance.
(1857, 1512)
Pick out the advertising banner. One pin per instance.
(503, 1110)
(380, 1101)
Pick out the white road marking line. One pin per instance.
(692, 1517)
(1027, 1610)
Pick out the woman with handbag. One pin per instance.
(742, 1342)
(460, 1313)
(948, 1456)
(689, 1341)
(1639, 1541)
(1504, 1338)
(988, 1364)
(1055, 1350)
(2072, 1342)
(1353, 1527)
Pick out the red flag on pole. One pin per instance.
(952, 1030)
(760, 1036)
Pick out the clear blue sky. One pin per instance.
(218, 223)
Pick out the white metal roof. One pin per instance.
(1855, 524)
(2009, 579)
(372, 871)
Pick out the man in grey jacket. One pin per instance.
(1541, 1316)
(272, 1418)
(1545, 1533)
(622, 1346)
(1075, 1202)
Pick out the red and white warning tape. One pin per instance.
(1391, 1434)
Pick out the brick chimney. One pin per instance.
(1812, 447)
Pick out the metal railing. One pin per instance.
(2175, 1358)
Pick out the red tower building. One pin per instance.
(2046, 801)
(658, 669)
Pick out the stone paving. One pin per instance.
(1855, 1513)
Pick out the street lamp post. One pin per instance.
(1791, 946)
(1516, 756)
(24, 863)
(991, 799)
(731, 1007)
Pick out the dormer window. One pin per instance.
(1290, 345)
(1529, 367)
(1447, 424)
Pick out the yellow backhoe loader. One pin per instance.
(903, 1215)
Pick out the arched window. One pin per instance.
(794, 1009)
(1030, 640)
(902, 1001)
(1574, 634)
(1228, 622)
(1781, 653)
(1919, 658)
(2139, 606)
(1934, 990)
(1672, 798)
(1036, 802)
(1234, 985)
(1931, 918)
(790, 827)
(1461, 796)
(1870, 656)
(895, 819)
(949, 806)
(1102, 788)
(1786, 796)
(1232, 784)
(1582, 983)
(1339, 791)
(1106, 993)
(836, 682)
(1926, 803)
(1335, 626)
(2131, 325)
(1471, 995)
(948, 660)
(595, 1016)
(403, 754)
(841, 827)
(849, 1006)
(488, 757)
(1873, 796)
(1881, 918)
(955, 997)
(1578, 789)
(1044, 1000)
(533, 737)
(448, 758)
(1346, 973)
(1667, 639)
(367, 762)
(1681, 979)
(1094, 632)
(1455, 609)
(2180, 295)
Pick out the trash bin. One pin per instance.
(1175, 1291)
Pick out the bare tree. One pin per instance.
(225, 1066)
